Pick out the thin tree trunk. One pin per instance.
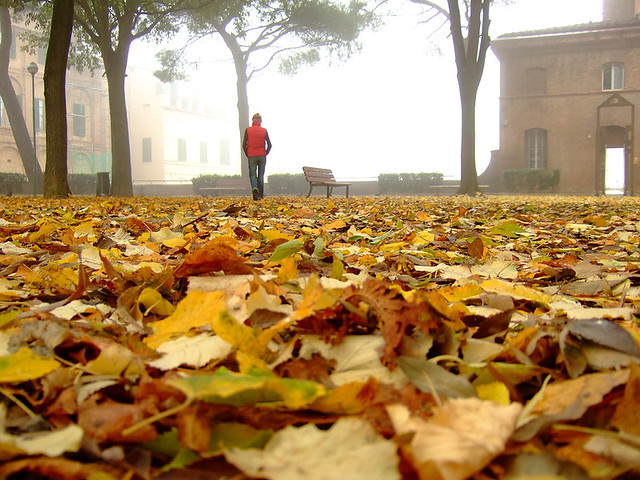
(242, 81)
(56, 183)
(470, 55)
(468, 172)
(116, 66)
(243, 113)
(12, 105)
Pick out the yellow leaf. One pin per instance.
(313, 296)
(393, 247)
(84, 229)
(112, 360)
(155, 303)
(275, 234)
(175, 242)
(197, 309)
(461, 293)
(335, 225)
(288, 270)
(239, 335)
(423, 237)
(25, 365)
(495, 392)
(516, 291)
(47, 227)
(337, 268)
(347, 399)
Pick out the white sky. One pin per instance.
(393, 107)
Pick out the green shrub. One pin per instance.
(14, 183)
(210, 181)
(530, 180)
(287, 184)
(408, 183)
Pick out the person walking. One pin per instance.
(256, 145)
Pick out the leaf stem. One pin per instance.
(18, 402)
(155, 418)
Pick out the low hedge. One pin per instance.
(530, 180)
(408, 183)
(287, 184)
(14, 184)
(210, 181)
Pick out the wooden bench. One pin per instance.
(226, 187)
(323, 177)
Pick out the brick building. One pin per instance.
(89, 145)
(567, 103)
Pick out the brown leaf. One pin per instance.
(105, 421)
(477, 249)
(58, 468)
(214, 256)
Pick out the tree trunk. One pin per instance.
(12, 104)
(242, 81)
(470, 55)
(468, 172)
(116, 66)
(56, 183)
(243, 113)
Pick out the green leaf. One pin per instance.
(382, 237)
(428, 376)
(508, 229)
(237, 435)
(8, 317)
(229, 388)
(285, 250)
(318, 247)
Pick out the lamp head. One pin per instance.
(32, 68)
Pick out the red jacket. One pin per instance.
(256, 141)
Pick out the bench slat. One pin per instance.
(323, 177)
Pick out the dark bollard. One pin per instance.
(103, 186)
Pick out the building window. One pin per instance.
(224, 151)
(39, 114)
(536, 81)
(4, 119)
(42, 55)
(203, 152)
(535, 141)
(79, 120)
(146, 150)
(182, 150)
(12, 51)
(613, 76)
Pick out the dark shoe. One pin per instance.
(256, 194)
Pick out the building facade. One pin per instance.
(89, 147)
(567, 103)
(175, 131)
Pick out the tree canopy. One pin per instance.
(294, 33)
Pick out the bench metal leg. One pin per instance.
(329, 191)
(310, 188)
(347, 191)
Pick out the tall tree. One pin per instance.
(469, 24)
(12, 104)
(292, 31)
(56, 182)
(111, 27)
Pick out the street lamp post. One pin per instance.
(32, 68)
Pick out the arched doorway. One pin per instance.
(615, 147)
